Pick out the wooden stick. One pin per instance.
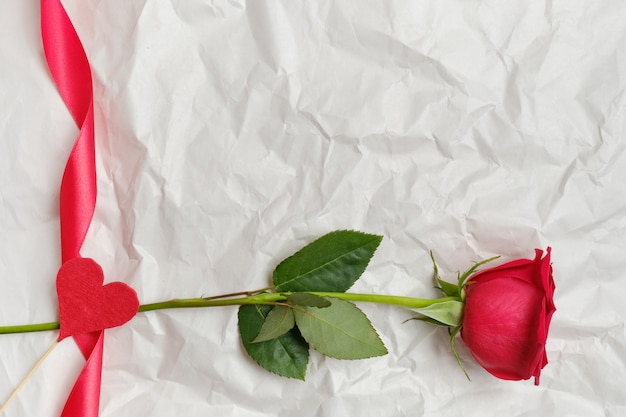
(28, 375)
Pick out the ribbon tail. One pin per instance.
(66, 58)
(84, 399)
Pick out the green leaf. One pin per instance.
(448, 312)
(340, 331)
(286, 355)
(331, 263)
(277, 322)
(308, 300)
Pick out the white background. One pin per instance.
(231, 133)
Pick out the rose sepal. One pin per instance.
(450, 313)
(447, 313)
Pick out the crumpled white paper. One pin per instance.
(232, 133)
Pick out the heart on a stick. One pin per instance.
(85, 305)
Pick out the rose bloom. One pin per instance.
(507, 315)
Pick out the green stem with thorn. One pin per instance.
(251, 298)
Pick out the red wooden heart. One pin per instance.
(85, 305)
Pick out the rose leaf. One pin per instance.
(287, 355)
(277, 322)
(331, 263)
(340, 331)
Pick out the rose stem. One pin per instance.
(263, 298)
(273, 298)
(28, 375)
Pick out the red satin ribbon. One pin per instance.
(70, 69)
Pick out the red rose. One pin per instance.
(507, 315)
